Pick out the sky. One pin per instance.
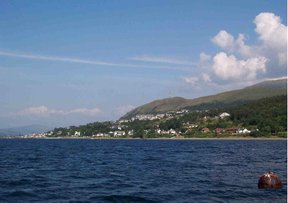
(71, 62)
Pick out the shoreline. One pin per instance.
(159, 138)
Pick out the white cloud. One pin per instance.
(206, 77)
(229, 67)
(268, 55)
(271, 31)
(204, 57)
(45, 111)
(37, 110)
(244, 50)
(159, 59)
(224, 40)
(191, 80)
(273, 36)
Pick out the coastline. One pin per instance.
(226, 138)
(159, 138)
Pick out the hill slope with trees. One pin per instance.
(231, 98)
(264, 117)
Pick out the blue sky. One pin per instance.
(71, 62)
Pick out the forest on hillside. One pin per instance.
(264, 117)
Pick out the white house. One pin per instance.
(243, 131)
(124, 121)
(224, 115)
(131, 132)
(119, 133)
(172, 132)
(98, 135)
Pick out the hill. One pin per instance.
(260, 90)
(258, 118)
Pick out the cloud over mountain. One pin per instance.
(238, 61)
(269, 52)
(229, 67)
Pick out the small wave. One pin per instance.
(117, 174)
(21, 193)
(79, 201)
(13, 183)
(219, 163)
(122, 198)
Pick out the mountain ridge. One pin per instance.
(268, 88)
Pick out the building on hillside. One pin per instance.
(190, 125)
(205, 130)
(142, 117)
(123, 121)
(100, 135)
(172, 132)
(119, 133)
(224, 115)
(182, 111)
(243, 131)
(168, 132)
(219, 130)
(231, 130)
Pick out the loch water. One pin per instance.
(79, 170)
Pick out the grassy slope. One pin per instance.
(258, 91)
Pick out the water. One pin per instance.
(139, 170)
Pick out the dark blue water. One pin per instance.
(139, 170)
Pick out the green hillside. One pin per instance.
(266, 117)
(260, 90)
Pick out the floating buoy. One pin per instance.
(269, 180)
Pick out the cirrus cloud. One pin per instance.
(101, 63)
(45, 111)
(162, 59)
(36, 110)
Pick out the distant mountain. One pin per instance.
(264, 89)
(23, 130)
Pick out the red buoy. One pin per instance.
(269, 180)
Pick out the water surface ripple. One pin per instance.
(140, 170)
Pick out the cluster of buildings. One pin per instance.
(117, 133)
(34, 135)
(119, 128)
(168, 115)
(151, 117)
(220, 116)
(227, 130)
